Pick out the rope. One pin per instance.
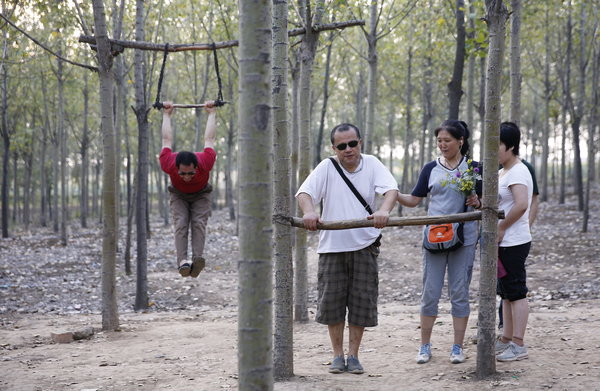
(158, 104)
(219, 101)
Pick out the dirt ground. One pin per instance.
(187, 340)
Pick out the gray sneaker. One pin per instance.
(424, 354)
(513, 352)
(354, 366)
(338, 365)
(501, 346)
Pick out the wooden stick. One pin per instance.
(119, 44)
(392, 222)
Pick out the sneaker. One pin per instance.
(424, 354)
(185, 269)
(197, 266)
(456, 354)
(354, 366)
(501, 346)
(513, 352)
(338, 365)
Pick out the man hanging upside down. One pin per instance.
(189, 191)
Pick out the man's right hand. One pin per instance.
(310, 221)
(168, 108)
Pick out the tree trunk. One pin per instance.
(62, 141)
(229, 188)
(455, 86)
(592, 124)
(481, 108)
(471, 75)
(319, 139)
(255, 313)
(85, 164)
(307, 58)
(283, 353)
(369, 130)
(295, 75)
(404, 183)
(141, 113)
(110, 315)
(546, 127)
(496, 17)
(577, 117)
(515, 62)
(5, 135)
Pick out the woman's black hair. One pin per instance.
(186, 158)
(457, 129)
(510, 136)
(342, 128)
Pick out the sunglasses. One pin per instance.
(343, 146)
(191, 173)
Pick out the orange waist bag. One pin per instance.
(443, 237)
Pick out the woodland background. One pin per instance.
(411, 65)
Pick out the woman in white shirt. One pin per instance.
(515, 191)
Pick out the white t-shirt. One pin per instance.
(518, 233)
(339, 203)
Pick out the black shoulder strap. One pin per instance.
(351, 186)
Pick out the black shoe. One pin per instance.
(185, 269)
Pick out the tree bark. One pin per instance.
(372, 59)
(496, 17)
(515, 62)
(546, 124)
(283, 353)
(5, 135)
(455, 86)
(319, 139)
(110, 315)
(255, 313)
(307, 58)
(141, 113)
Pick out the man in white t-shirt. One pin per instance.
(348, 272)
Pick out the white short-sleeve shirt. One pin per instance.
(339, 203)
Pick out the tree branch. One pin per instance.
(179, 47)
(91, 68)
(392, 221)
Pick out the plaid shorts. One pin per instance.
(348, 280)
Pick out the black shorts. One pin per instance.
(513, 286)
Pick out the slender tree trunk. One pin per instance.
(319, 139)
(255, 314)
(404, 183)
(141, 113)
(229, 187)
(481, 108)
(85, 142)
(295, 75)
(471, 74)
(592, 124)
(578, 112)
(307, 57)
(455, 86)
(515, 62)
(283, 353)
(44, 183)
(110, 315)
(5, 134)
(546, 124)
(62, 140)
(369, 130)
(427, 104)
(496, 17)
